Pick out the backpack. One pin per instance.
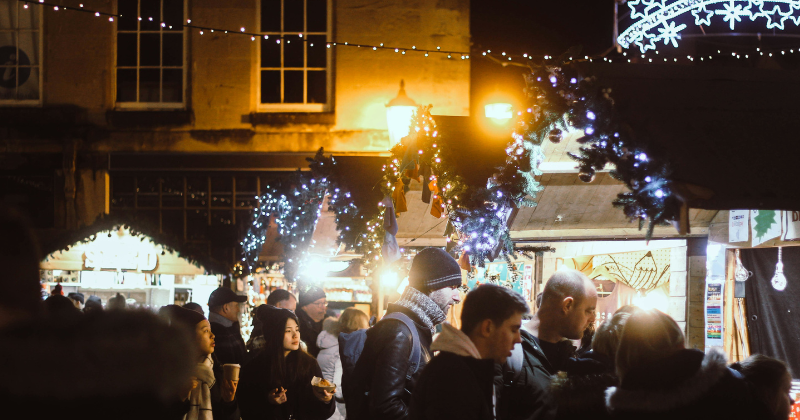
(351, 345)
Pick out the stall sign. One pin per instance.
(141, 261)
(791, 225)
(765, 225)
(713, 315)
(738, 225)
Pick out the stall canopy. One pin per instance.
(113, 243)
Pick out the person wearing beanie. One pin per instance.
(77, 299)
(116, 302)
(57, 291)
(311, 315)
(384, 377)
(93, 304)
(276, 384)
(212, 396)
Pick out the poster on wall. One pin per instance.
(765, 224)
(713, 313)
(738, 225)
(791, 226)
(527, 282)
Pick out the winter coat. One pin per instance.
(330, 363)
(384, 364)
(457, 383)
(230, 346)
(301, 404)
(525, 394)
(580, 394)
(309, 331)
(221, 410)
(686, 386)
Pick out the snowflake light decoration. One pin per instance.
(654, 21)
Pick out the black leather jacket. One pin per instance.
(382, 368)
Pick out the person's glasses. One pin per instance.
(320, 304)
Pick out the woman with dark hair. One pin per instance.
(276, 385)
(771, 383)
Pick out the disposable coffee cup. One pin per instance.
(231, 371)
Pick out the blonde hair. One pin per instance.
(606, 338)
(648, 336)
(353, 319)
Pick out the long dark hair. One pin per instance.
(283, 371)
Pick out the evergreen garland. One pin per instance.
(564, 98)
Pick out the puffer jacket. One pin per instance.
(383, 366)
(330, 362)
(687, 386)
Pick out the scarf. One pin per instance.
(422, 306)
(200, 398)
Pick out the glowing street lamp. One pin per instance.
(399, 112)
(499, 112)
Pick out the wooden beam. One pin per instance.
(614, 233)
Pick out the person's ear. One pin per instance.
(487, 328)
(568, 303)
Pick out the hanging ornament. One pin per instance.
(586, 176)
(556, 135)
(779, 280)
(741, 273)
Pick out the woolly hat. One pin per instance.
(311, 295)
(93, 302)
(433, 269)
(273, 320)
(181, 317)
(76, 296)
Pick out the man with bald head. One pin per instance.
(568, 304)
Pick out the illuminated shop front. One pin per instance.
(115, 261)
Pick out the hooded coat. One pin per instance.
(330, 363)
(457, 383)
(687, 386)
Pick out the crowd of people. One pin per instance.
(70, 356)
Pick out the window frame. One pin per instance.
(40, 30)
(185, 66)
(297, 107)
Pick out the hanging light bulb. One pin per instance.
(779, 280)
(741, 273)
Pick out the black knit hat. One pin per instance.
(311, 295)
(273, 320)
(76, 296)
(433, 269)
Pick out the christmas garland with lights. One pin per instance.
(564, 98)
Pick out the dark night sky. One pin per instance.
(542, 27)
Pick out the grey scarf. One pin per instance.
(421, 305)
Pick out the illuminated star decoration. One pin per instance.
(660, 20)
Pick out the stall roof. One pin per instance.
(106, 223)
(731, 130)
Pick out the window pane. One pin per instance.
(30, 88)
(172, 50)
(149, 49)
(28, 48)
(317, 55)
(173, 15)
(317, 19)
(129, 12)
(197, 191)
(293, 53)
(126, 49)
(150, 9)
(149, 85)
(317, 87)
(122, 189)
(172, 222)
(293, 87)
(172, 85)
(270, 87)
(270, 53)
(245, 191)
(196, 224)
(126, 85)
(147, 191)
(293, 15)
(270, 15)
(8, 82)
(221, 191)
(28, 18)
(172, 191)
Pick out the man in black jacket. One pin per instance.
(383, 381)
(567, 308)
(459, 382)
(224, 318)
(311, 314)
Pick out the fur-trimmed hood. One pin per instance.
(648, 391)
